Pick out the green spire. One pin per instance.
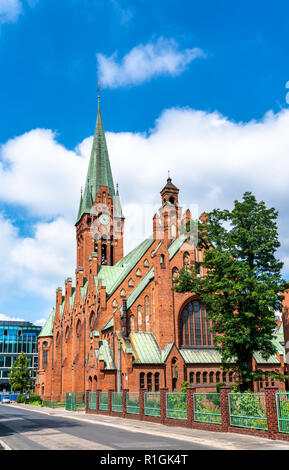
(117, 206)
(99, 171)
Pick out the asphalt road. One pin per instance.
(30, 430)
(24, 427)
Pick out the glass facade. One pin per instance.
(15, 338)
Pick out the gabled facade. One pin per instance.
(121, 325)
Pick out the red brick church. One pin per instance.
(121, 325)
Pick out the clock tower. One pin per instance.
(100, 221)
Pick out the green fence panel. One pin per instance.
(132, 403)
(176, 405)
(248, 410)
(207, 408)
(282, 403)
(116, 402)
(74, 401)
(152, 404)
(103, 401)
(92, 400)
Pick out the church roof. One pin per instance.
(113, 276)
(145, 348)
(99, 170)
(133, 295)
(169, 185)
(104, 353)
(47, 329)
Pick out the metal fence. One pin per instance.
(103, 401)
(10, 396)
(74, 401)
(176, 405)
(132, 403)
(116, 402)
(92, 400)
(282, 404)
(152, 405)
(207, 408)
(248, 410)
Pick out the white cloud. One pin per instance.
(211, 159)
(144, 62)
(7, 318)
(10, 11)
(40, 322)
(33, 165)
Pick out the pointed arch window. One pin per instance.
(194, 326)
(131, 323)
(147, 312)
(139, 318)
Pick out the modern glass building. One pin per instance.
(17, 337)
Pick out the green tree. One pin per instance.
(19, 375)
(242, 283)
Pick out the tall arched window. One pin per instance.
(131, 322)
(142, 380)
(186, 258)
(139, 318)
(191, 377)
(157, 382)
(149, 382)
(147, 312)
(194, 327)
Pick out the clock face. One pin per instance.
(104, 219)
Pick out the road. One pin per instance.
(23, 428)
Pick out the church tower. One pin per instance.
(166, 222)
(100, 221)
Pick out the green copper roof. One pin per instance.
(176, 245)
(48, 327)
(113, 276)
(212, 356)
(99, 170)
(146, 349)
(104, 353)
(133, 295)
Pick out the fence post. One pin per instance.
(97, 399)
(141, 402)
(86, 400)
(163, 404)
(124, 392)
(225, 410)
(271, 411)
(110, 401)
(190, 405)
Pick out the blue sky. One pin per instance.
(195, 87)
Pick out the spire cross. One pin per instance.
(98, 90)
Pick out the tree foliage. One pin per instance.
(241, 282)
(19, 375)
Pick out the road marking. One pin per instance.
(4, 445)
(56, 440)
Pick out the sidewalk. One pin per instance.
(219, 440)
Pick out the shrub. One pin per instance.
(33, 397)
(219, 385)
(20, 398)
